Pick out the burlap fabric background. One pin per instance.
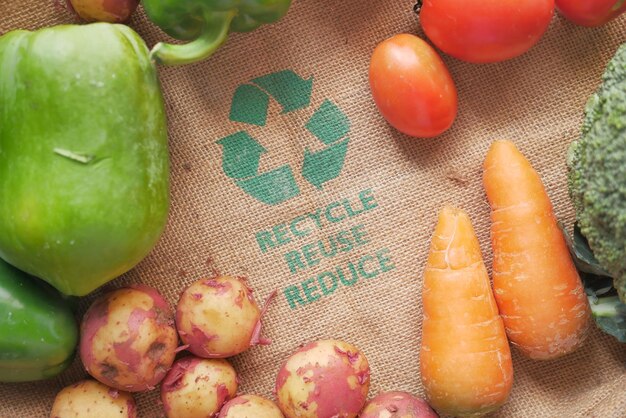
(536, 100)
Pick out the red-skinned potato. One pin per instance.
(92, 399)
(197, 387)
(397, 405)
(323, 379)
(250, 406)
(128, 340)
(112, 11)
(218, 317)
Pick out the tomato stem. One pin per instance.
(418, 7)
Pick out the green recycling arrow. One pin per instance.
(291, 91)
(250, 102)
(249, 105)
(242, 153)
(273, 187)
(328, 123)
(325, 165)
(240, 161)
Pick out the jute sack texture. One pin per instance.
(381, 187)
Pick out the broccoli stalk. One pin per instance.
(607, 309)
(610, 315)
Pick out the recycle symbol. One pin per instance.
(242, 153)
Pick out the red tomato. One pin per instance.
(486, 30)
(591, 12)
(412, 86)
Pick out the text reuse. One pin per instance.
(304, 256)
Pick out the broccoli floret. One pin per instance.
(597, 172)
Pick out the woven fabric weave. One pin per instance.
(216, 224)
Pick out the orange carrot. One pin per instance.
(537, 287)
(465, 360)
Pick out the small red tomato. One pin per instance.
(487, 30)
(412, 86)
(591, 12)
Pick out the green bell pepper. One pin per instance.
(84, 165)
(207, 24)
(38, 332)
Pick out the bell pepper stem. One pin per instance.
(215, 32)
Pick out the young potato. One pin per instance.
(128, 340)
(113, 11)
(250, 406)
(197, 387)
(323, 379)
(92, 399)
(218, 317)
(397, 405)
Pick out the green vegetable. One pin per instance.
(607, 310)
(597, 173)
(38, 332)
(83, 154)
(206, 23)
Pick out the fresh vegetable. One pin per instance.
(196, 387)
(485, 31)
(537, 287)
(128, 340)
(38, 332)
(113, 11)
(596, 164)
(397, 405)
(218, 317)
(83, 154)
(465, 360)
(412, 87)
(323, 379)
(250, 406)
(591, 12)
(607, 309)
(206, 24)
(597, 168)
(91, 399)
